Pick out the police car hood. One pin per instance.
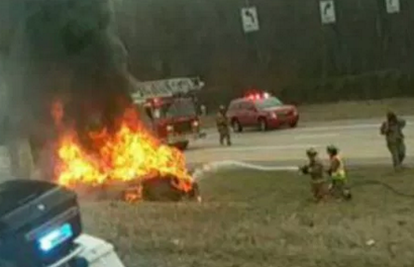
(280, 109)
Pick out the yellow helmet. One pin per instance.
(331, 149)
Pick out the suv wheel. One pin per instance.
(293, 124)
(263, 124)
(235, 124)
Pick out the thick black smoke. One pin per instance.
(60, 49)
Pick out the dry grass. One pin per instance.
(347, 110)
(265, 219)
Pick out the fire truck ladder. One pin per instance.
(143, 91)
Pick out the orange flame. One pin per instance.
(130, 154)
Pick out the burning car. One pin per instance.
(127, 160)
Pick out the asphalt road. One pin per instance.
(358, 140)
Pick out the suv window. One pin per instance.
(248, 105)
(178, 108)
(181, 108)
(268, 103)
(233, 106)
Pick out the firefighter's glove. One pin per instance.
(304, 169)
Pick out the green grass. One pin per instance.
(265, 219)
(347, 110)
(356, 109)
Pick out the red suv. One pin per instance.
(261, 110)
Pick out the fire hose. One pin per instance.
(202, 172)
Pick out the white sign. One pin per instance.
(393, 6)
(250, 19)
(327, 8)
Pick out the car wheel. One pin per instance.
(235, 124)
(263, 124)
(293, 124)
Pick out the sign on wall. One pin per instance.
(393, 6)
(327, 9)
(250, 19)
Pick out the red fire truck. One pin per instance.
(171, 106)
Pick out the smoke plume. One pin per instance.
(66, 50)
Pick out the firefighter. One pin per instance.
(316, 171)
(223, 126)
(392, 129)
(339, 182)
(203, 110)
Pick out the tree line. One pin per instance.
(366, 54)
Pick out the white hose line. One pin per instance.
(214, 166)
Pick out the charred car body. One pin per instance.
(162, 188)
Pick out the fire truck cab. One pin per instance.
(171, 106)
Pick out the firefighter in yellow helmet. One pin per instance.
(316, 171)
(339, 181)
(223, 128)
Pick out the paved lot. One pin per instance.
(359, 141)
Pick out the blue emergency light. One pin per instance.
(54, 238)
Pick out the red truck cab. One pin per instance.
(170, 104)
(174, 120)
